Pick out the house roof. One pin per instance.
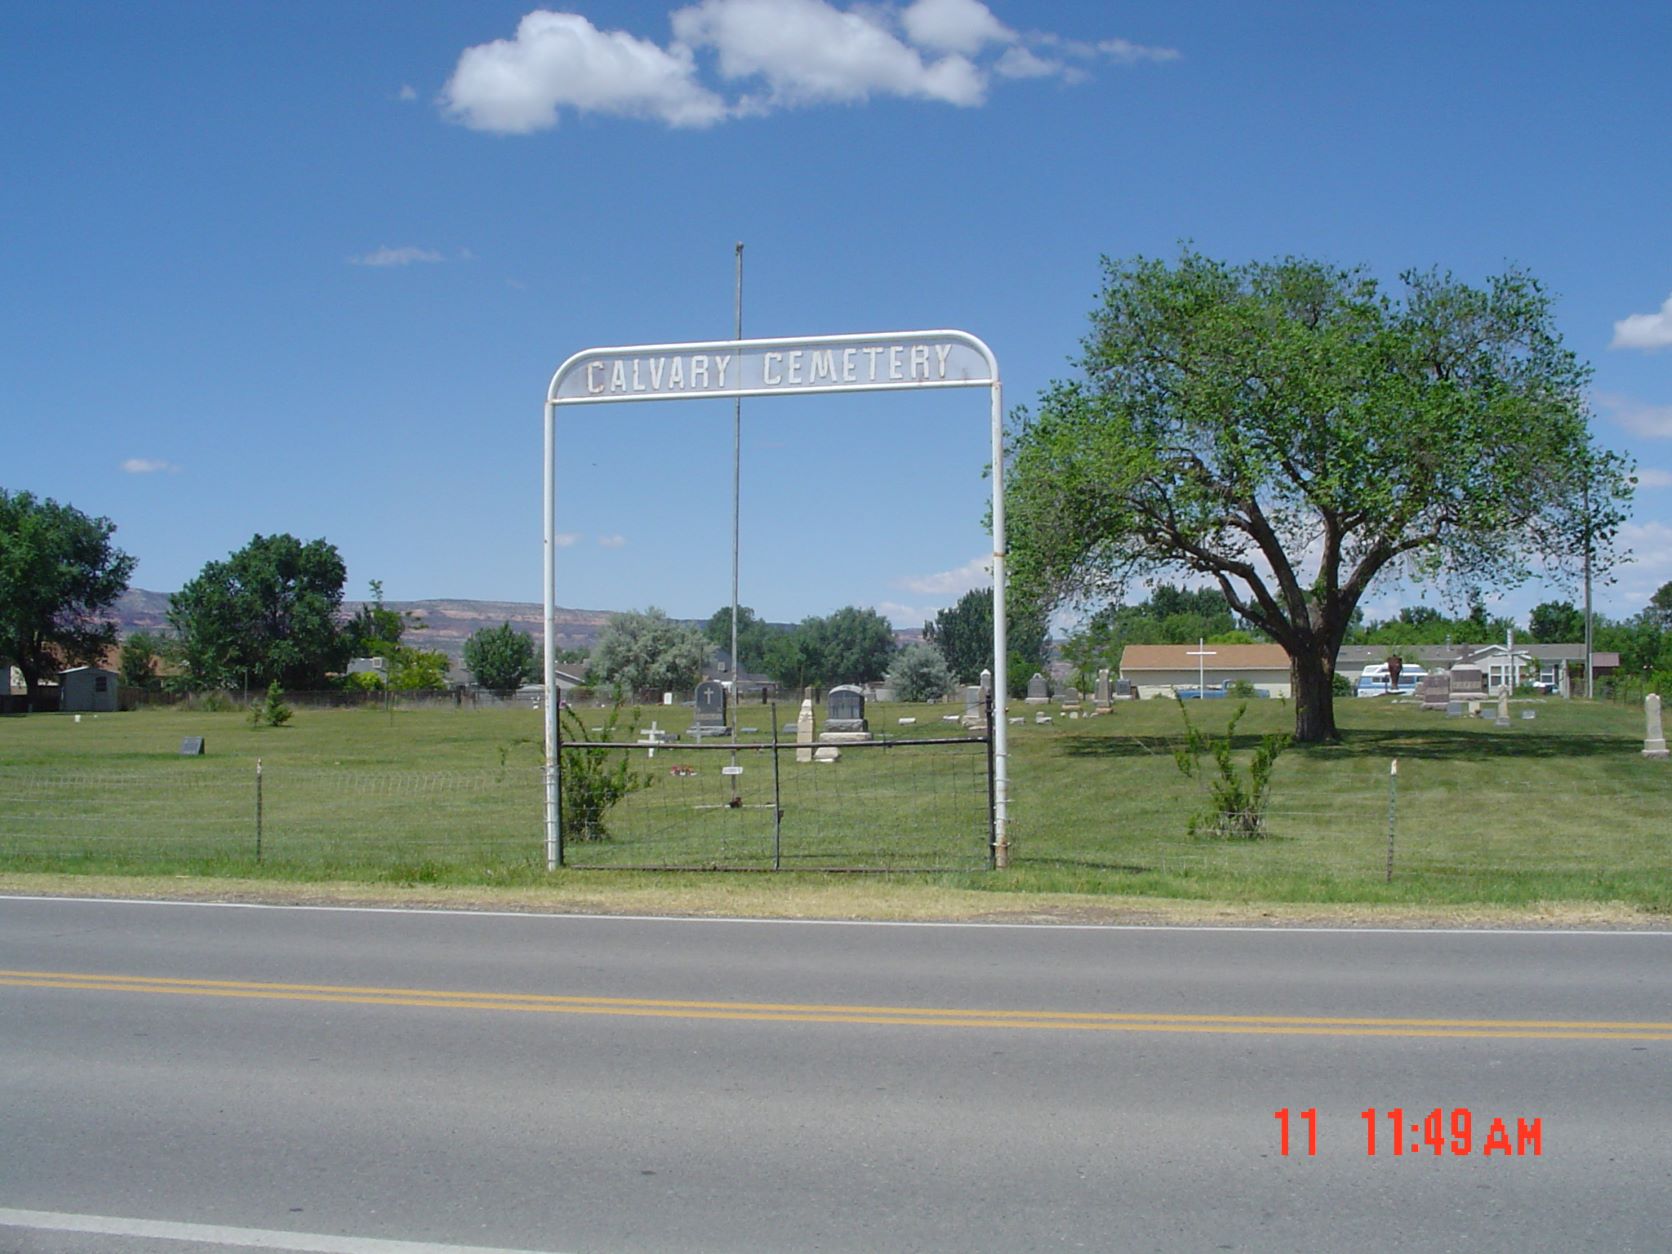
(1350, 655)
(1225, 657)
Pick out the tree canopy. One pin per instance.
(648, 652)
(1292, 430)
(964, 635)
(754, 635)
(850, 646)
(266, 614)
(502, 658)
(59, 573)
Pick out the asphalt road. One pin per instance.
(194, 1078)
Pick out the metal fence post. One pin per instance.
(258, 811)
(1393, 811)
(992, 777)
(777, 800)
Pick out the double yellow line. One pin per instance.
(897, 1016)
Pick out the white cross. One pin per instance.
(1201, 653)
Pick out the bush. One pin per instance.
(272, 711)
(919, 673)
(593, 779)
(1235, 809)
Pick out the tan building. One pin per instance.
(1160, 670)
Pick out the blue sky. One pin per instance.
(306, 267)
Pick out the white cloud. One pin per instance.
(566, 539)
(407, 94)
(616, 541)
(767, 54)
(1650, 565)
(1646, 331)
(975, 573)
(901, 617)
(1635, 416)
(964, 26)
(404, 256)
(810, 52)
(556, 60)
(1650, 477)
(149, 466)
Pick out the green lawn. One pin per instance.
(1560, 808)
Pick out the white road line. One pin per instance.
(249, 1238)
(922, 923)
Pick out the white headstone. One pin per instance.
(804, 731)
(1654, 738)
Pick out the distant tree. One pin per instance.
(502, 658)
(138, 664)
(854, 646)
(793, 660)
(374, 631)
(1659, 609)
(1292, 430)
(59, 573)
(268, 612)
(919, 673)
(419, 670)
(648, 652)
(851, 646)
(754, 635)
(964, 635)
(1556, 622)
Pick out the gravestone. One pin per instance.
(1039, 692)
(1104, 694)
(1434, 690)
(1454, 709)
(191, 747)
(1654, 737)
(1070, 698)
(1503, 707)
(844, 715)
(1123, 688)
(1468, 682)
(804, 729)
(975, 703)
(710, 718)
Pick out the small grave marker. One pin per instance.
(191, 747)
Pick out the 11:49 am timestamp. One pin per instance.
(1440, 1131)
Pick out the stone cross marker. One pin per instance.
(710, 718)
(1038, 690)
(1654, 739)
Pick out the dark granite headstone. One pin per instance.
(845, 710)
(710, 717)
(1038, 690)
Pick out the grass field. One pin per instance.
(1559, 808)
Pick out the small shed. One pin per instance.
(87, 688)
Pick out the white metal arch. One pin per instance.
(890, 361)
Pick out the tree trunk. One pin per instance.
(1313, 677)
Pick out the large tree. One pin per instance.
(268, 613)
(502, 658)
(648, 652)
(59, 573)
(964, 635)
(1293, 431)
(851, 646)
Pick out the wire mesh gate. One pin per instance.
(890, 802)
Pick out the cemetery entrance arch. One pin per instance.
(893, 361)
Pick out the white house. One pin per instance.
(1160, 670)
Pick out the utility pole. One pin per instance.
(737, 498)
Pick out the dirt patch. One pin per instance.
(841, 899)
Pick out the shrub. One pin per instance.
(1235, 808)
(919, 673)
(594, 778)
(271, 711)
